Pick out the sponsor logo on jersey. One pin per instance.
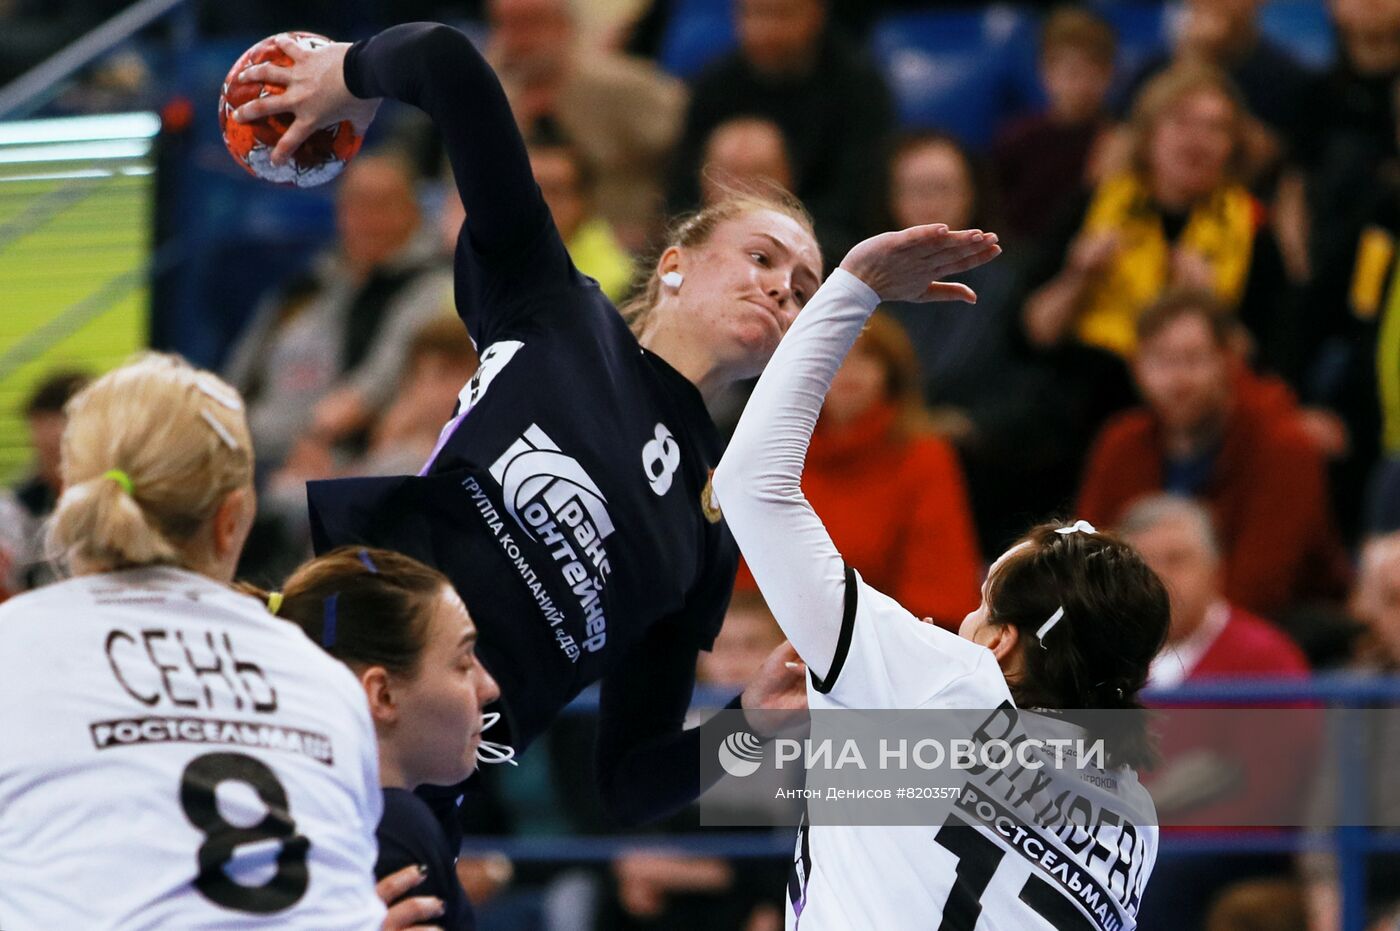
(168, 668)
(740, 754)
(533, 472)
(130, 732)
(556, 503)
(1064, 870)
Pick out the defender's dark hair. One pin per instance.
(364, 606)
(1097, 655)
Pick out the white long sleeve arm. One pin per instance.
(759, 480)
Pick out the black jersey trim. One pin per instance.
(843, 643)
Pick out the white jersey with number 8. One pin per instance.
(175, 757)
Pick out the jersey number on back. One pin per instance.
(198, 788)
(978, 858)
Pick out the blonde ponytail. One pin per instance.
(149, 453)
(111, 526)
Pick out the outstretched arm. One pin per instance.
(759, 480)
(437, 69)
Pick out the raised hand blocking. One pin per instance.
(315, 94)
(906, 265)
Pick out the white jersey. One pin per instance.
(1007, 875)
(175, 757)
(982, 870)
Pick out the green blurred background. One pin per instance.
(76, 207)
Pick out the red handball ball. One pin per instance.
(319, 159)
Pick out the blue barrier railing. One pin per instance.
(592, 849)
(1346, 690)
(1351, 846)
(757, 845)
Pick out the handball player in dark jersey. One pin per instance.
(569, 498)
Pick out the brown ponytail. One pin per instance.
(365, 606)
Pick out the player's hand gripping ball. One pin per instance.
(317, 160)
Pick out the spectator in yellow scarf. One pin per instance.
(1175, 216)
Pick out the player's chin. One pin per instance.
(453, 765)
(469, 761)
(756, 341)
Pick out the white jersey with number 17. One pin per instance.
(989, 866)
(175, 757)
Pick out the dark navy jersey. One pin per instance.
(567, 499)
(409, 835)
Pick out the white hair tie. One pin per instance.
(1049, 626)
(219, 428)
(222, 394)
(1079, 526)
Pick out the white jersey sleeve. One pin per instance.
(885, 657)
(759, 479)
(862, 648)
(176, 757)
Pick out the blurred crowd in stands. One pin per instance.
(1193, 337)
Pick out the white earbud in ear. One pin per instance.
(672, 279)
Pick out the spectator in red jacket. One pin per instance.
(1262, 477)
(890, 491)
(1219, 767)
